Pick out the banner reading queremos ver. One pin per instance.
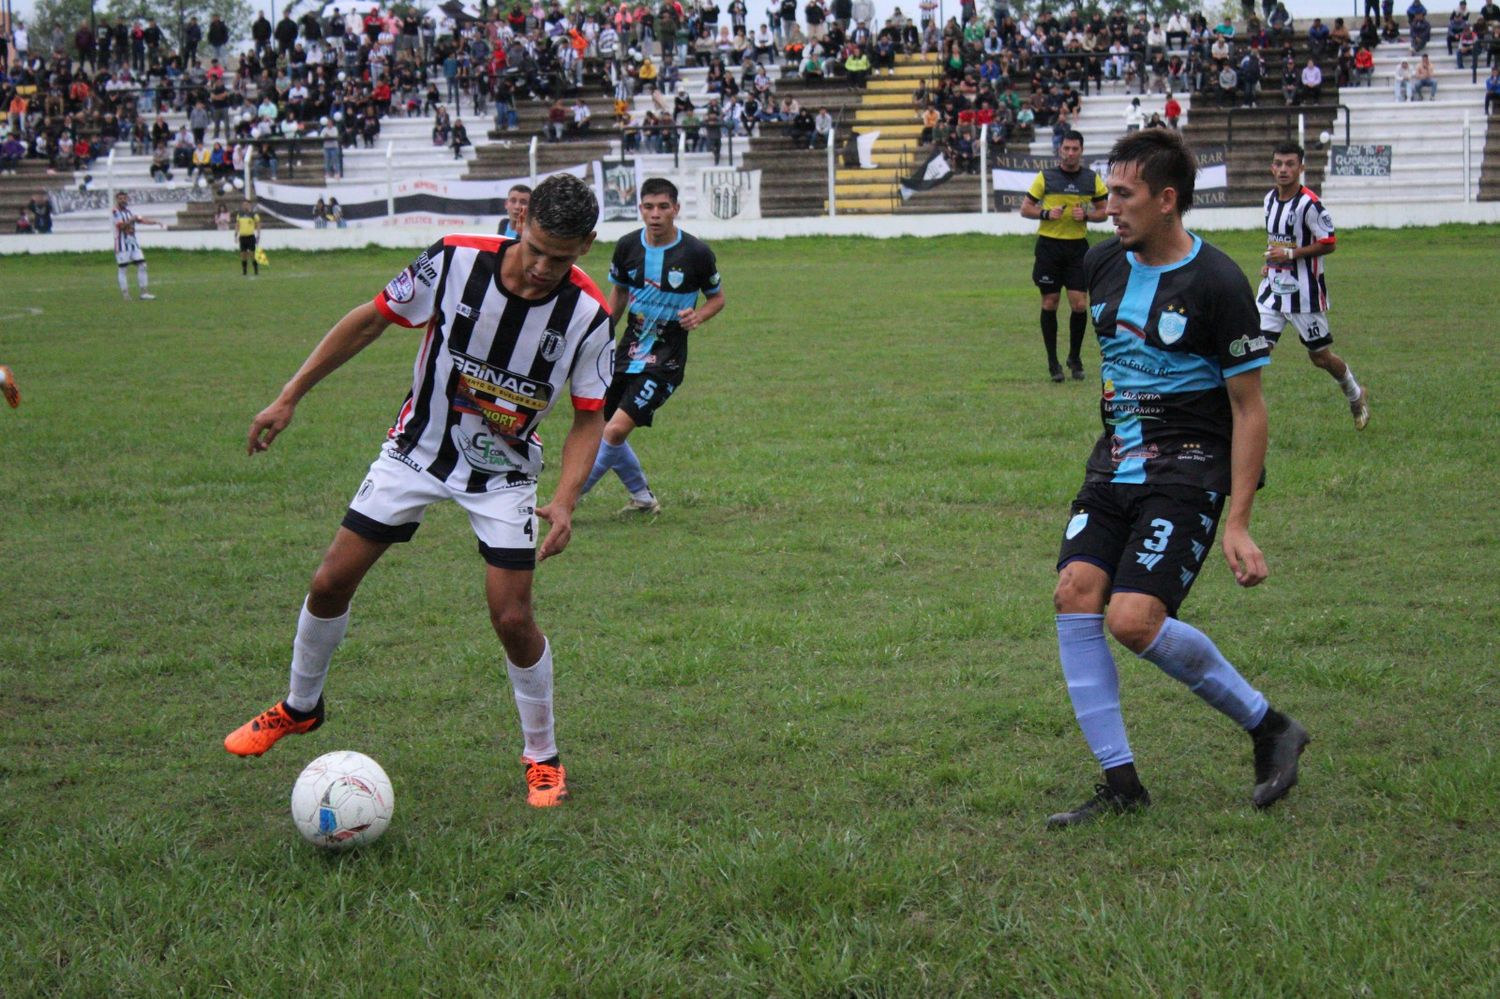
(1013, 176)
(417, 202)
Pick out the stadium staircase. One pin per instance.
(886, 106)
(1489, 174)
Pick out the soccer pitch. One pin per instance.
(812, 715)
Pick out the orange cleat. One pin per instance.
(546, 783)
(261, 732)
(8, 387)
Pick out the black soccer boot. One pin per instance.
(1106, 801)
(1277, 750)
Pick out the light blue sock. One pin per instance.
(603, 462)
(1094, 686)
(628, 467)
(1187, 654)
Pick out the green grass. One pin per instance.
(812, 714)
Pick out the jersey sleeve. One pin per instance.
(708, 272)
(593, 364)
(1038, 189)
(1101, 192)
(1240, 344)
(410, 298)
(619, 266)
(1319, 222)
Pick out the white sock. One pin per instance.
(313, 647)
(533, 689)
(140, 276)
(1349, 385)
(124, 281)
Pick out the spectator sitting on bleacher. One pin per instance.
(460, 138)
(1420, 31)
(1457, 22)
(1424, 78)
(1468, 41)
(1369, 34)
(1389, 30)
(1317, 38)
(1364, 66)
(39, 208)
(1414, 10)
(161, 164)
(857, 68)
(1403, 80)
(12, 151)
(23, 221)
(1280, 21)
(1492, 91)
(1312, 83)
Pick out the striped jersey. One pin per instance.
(1169, 338)
(124, 222)
(1056, 188)
(1296, 287)
(491, 365)
(662, 281)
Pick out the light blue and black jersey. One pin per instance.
(507, 230)
(1169, 337)
(662, 281)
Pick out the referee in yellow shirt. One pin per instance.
(1064, 198)
(247, 226)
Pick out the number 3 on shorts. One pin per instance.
(1158, 541)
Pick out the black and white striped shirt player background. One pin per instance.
(508, 325)
(128, 247)
(1299, 234)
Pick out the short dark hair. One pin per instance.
(659, 185)
(1164, 161)
(519, 189)
(1073, 135)
(1289, 149)
(563, 206)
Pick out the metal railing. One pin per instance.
(1289, 117)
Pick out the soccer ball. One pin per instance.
(341, 800)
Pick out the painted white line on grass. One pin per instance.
(170, 281)
(27, 311)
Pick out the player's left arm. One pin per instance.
(711, 306)
(1096, 212)
(579, 450)
(1247, 459)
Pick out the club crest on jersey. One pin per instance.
(401, 289)
(552, 346)
(674, 277)
(1170, 326)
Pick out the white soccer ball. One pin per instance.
(1325, 137)
(342, 799)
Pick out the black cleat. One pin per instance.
(1055, 370)
(1276, 755)
(1075, 368)
(1106, 801)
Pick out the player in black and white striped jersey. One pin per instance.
(509, 324)
(127, 247)
(1299, 234)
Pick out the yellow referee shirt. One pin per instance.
(246, 224)
(1053, 188)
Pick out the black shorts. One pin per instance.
(247, 244)
(1150, 539)
(1059, 264)
(640, 395)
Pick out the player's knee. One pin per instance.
(512, 621)
(1132, 628)
(1074, 594)
(331, 591)
(615, 435)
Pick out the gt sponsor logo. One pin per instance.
(483, 450)
(1248, 345)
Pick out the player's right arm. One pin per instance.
(359, 328)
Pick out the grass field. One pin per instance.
(812, 715)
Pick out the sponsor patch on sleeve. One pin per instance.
(401, 289)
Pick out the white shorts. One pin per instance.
(130, 253)
(1312, 327)
(394, 497)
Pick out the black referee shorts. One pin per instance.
(247, 244)
(1059, 264)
